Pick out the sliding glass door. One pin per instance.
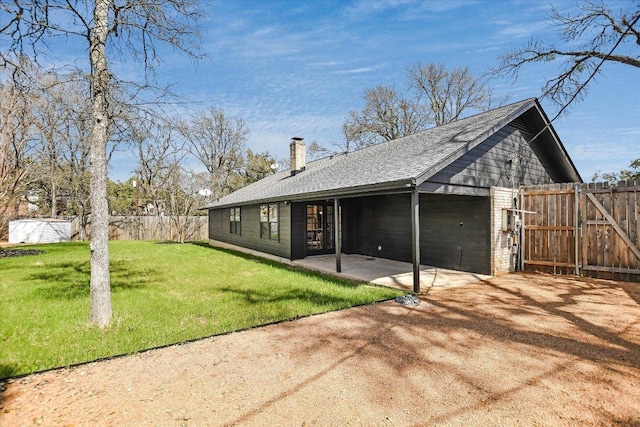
(320, 234)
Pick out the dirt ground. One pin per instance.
(522, 349)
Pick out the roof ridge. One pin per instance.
(468, 118)
(511, 105)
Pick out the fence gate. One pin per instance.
(586, 229)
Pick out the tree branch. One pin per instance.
(607, 33)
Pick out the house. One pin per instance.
(433, 198)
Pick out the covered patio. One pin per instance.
(388, 272)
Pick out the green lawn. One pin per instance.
(162, 293)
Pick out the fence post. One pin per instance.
(576, 227)
(521, 232)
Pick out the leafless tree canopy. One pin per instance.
(594, 34)
(435, 95)
(16, 132)
(159, 154)
(135, 28)
(387, 115)
(446, 95)
(218, 142)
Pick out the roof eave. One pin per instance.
(360, 190)
(568, 163)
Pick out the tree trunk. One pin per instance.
(101, 311)
(54, 194)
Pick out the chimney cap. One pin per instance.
(297, 138)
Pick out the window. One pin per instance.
(269, 225)
(234, 220)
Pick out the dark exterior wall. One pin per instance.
(504, 160)
(298, 230)
(378, 221)
(250, 230)
(455, 232)
(385, 222)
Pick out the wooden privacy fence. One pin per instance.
(586, 229)
(150, 228)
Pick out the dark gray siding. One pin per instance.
(505, 160)
(250, 230)
(298, 230)
(378, 226)
(455, 232)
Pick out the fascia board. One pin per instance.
(326, 194)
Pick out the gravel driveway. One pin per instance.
(522, 349)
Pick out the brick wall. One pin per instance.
(502, 257)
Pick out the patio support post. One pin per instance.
(336, 232)
(415, 238)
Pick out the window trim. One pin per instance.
(270, 229)
(235, 220)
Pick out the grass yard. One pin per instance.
(162, 293)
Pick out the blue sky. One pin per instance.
(296, 68)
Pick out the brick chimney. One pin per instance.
(298, 155)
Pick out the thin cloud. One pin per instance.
(594, 151)
(327, 64)
(486, 49)
(408, 10)
(523, 29)
(360, 70)
(364, 8)
(632, 131)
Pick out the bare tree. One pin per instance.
(387, 115)
(58, 101)
(183, 189)
(157, 153)
(447, 95)
(167, 186)
(16, 133)
(133, 28)
(434, 96)
(46, 150)
(60, 147)
(218, 142)
(592, 36)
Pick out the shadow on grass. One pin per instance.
(290, 297)
(243, 255)
(70, 280)
(340, 281)
(8, 370)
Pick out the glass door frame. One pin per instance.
(319, 228)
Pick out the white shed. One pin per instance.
(39, 231)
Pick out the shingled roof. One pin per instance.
(397, 164)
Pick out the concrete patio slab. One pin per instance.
(381, 271)
(388, 272)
